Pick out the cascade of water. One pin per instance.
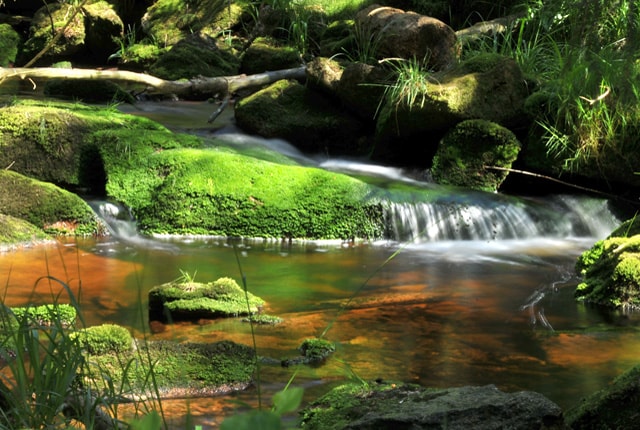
(489, 218)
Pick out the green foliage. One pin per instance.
(411, 84)
(47, 315)
(104, 339)
(316, 349)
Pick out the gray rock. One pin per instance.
(414, 407)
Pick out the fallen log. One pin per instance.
(221, 86)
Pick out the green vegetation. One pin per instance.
(316, 349)
(192, 300)
(103, 339)
(45, 206)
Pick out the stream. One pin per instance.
(467, 289)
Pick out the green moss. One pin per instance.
(47, 140)
(104, 339)
(168, 21)
(614, 407)
(9, 40)
(45, 205)
(263, 319)
(316, 349)
(195, 56)
(194, 300)
(291, 111)
(466, 151)
(16, 231)
(47, 315)
(41, 33)
(611, 273)
(265, 54)
(182, 369)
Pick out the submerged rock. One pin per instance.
(387, 406)
(191, 301)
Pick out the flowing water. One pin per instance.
(469, 288)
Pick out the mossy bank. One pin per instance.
(179, 184)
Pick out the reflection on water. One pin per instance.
(440, 314)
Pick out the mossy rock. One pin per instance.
(610, 272)
(265, 54)
(40, 35)
(469, 150)
(15, 231)
(51, 141)
(9, 42)
(191, 301)
(103, 339)
(104, 29)
(489, 87)
(180, 369)
(45, 205)
(195, 55)
(87, 90)
(387, 405)
(306, 118)
(613, 407)
(169, 21)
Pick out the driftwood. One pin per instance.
(222, 85)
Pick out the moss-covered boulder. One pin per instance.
(306, 118)
(51, 141)
(467, 153)
(613, 407)
(104, 29)
(488, 86)
(169, 21)
(72, 41)
(610, 270)
(188, 300)
(391, 406)
(45, 205)
(9, 41)
(195, 55)
(265, 54)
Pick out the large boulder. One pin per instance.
(489, 87)
(473, 154)
(195, 55)
(409, 35)
(610, 270)
(104, 29)
(387, 406)
(71, 42)
(306, 118)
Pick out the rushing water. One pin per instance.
(469, 288)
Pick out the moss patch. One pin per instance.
(465, 152)
(180, 370)
(17, 231)
(614, 407)
(45, 205)
(104, 339)
(194, 300)
(611, 270)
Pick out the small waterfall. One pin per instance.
(491, 217)
(123, 227)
